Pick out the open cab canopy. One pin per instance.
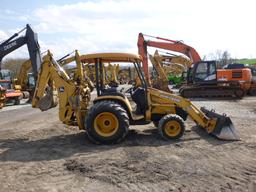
(110, 57)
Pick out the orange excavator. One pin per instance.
(203, 77)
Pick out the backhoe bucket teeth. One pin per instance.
(224, 128)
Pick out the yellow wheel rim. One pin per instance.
(172, 128)
(106, 124)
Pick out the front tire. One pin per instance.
(171, 127)
(107, 122)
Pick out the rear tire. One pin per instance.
(171, 127)
(107, 122)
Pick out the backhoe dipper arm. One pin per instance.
(73, 98)
(50, 72)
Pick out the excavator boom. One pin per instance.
(171, 45)
(15, 42)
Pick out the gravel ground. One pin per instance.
(39, 153)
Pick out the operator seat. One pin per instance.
(139, 97)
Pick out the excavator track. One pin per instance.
(212, 91)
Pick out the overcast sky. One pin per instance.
(104, 26)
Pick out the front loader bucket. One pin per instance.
(224, 128)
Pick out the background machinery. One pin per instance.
(205, 80)
(203, 77)
(167, 44)
(174, 66)
(14, 42)
(12, 91)
(169, 73)
(249, 86)
(111, 72)
(80, 74)
(160, 80)
(107, 120)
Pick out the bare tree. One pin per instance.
(221, 57)
(13, 65)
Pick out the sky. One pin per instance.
(113, 26)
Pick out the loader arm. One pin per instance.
(73, 98)
(216, 124)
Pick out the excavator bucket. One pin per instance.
(224, 128)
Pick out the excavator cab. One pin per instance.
(201, 72)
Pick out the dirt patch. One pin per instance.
(39, 153)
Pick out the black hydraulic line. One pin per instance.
(97, 76)
(43, 52)
(101, 75)
(142, 79)
(12, 37)
(62, 58)
(168, 53)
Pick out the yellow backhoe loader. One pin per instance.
(107, 120)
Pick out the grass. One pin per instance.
(246, 61)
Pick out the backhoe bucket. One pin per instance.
(224, 128)
(49, 100)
